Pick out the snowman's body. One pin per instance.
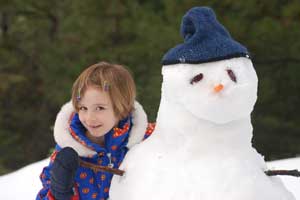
(201, 147)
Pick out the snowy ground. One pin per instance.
(24, 183)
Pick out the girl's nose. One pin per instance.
(90, 116)
(218, 87)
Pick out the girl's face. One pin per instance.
(96, 112)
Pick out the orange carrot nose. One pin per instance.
(218, 88)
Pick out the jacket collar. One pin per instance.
(115, 138)
(63, 137)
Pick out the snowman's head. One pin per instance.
(209, 74)
(219, 92)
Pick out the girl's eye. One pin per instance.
(231, 75)
(100, 108)
(196, 78)
(82, 108)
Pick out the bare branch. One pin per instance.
(294, 172)
(101, 168)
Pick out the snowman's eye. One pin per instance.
(231, 75)
(196, 78)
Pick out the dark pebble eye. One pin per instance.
(197, 78)
(231, 75)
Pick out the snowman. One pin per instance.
(201, 146)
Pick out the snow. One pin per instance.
(24, 184)
(292, 183)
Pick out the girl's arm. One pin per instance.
(44, 193)
(58, 177)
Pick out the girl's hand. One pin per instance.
(63, 173)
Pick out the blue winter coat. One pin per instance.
(89, 183)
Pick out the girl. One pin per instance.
(95, 130)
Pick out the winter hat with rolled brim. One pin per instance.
(205, 40)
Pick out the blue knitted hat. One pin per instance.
(205, 40)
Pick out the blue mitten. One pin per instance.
(63, 173)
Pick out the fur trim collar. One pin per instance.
(63, 137)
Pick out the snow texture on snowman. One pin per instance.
(201, 146)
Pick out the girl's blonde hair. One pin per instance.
(112, 78)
